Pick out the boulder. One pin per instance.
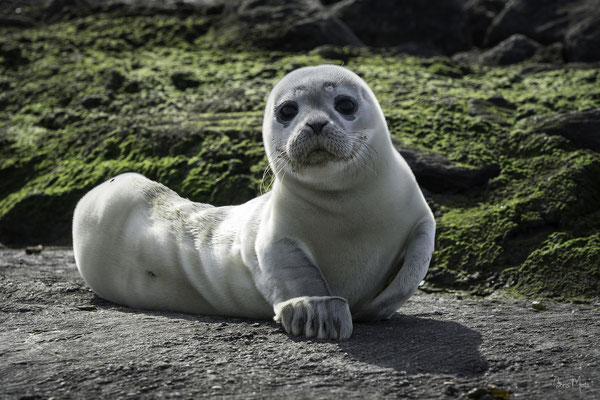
(437, 174)
(580, 128)
(283, 25)
(582, 40)
(574, 23)
(480, 14)
(545, 21)
(438, 26)
(513, 50)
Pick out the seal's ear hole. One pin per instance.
(345, 105)
(286, 111)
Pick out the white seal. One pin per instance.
(345, 234)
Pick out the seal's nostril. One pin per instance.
(317, 127)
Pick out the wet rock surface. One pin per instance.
(59, 340)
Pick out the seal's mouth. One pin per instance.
(319, 155)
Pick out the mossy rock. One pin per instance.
(563, 267)
(204, 140)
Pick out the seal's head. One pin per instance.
(321, 122)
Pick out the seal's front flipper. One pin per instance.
(322, 317)
(406, 282)
(299, 294)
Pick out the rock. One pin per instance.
(450, 389)
(114, 80)
(92, 101)
(500, 101)
(539, 306)
(53, 10)
(417, 48)
(58, 119)
(443, 66)
(184, 79)
(582, 40)
(553, 54)
(468, 57)
(477, 392)
(283, 25)
(489, 392)
(34, 249)
(336, 53)
(513, 50)
(16, 21)
(438, 25)
(86, 307)
(11, 56)
(480, 14)
(549, 21)
(5, 100)
(541, 20)
(498, 393)
(581, 128)
(162, 366)
(495, 109)
(439, 175)
(132, 87)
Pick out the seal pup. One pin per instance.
(345, 233)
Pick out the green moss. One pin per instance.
(562, 267)
(200, 133)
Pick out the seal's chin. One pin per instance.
(319, 156)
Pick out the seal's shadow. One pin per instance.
(418, 345)
(405, 343)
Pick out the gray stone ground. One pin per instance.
(58, 340)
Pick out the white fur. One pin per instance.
(357, 219)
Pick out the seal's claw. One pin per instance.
(326, 317)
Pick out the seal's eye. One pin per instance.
(287, 111)
(345, 105)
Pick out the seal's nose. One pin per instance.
(317, 127)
